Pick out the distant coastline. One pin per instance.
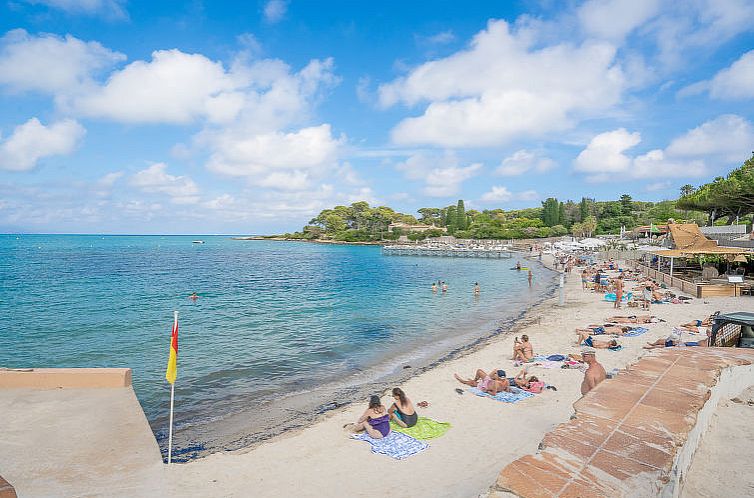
(313, 241)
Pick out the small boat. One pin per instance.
(197, 242)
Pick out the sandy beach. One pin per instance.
(485, 435)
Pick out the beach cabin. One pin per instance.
(699, 266)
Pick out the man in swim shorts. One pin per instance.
(488, 383)
(594, 374)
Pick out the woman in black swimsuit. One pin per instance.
(402, 411)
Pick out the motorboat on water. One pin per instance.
(197, 242)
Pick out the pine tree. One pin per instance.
(450, 219)
(460, 216)
(561, 215)
(583, 209)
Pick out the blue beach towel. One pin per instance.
(610, 296)
(511, 397)
(635, 332)
(395, 445)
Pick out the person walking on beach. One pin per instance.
(618, 292)
(528, 277)
(594, 374)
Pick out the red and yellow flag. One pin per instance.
(172, 371)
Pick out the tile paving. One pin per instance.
(627, 431)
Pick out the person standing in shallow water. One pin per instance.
(529, 277)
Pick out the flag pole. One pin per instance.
(172, 399)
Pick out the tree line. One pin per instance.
(730, 197)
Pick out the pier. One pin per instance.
(452, 252)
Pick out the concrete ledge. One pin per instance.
(67, 378)
(6, 490)
(634, 435)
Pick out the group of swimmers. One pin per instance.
(443, 286)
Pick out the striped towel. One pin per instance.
(395, 445)
(516, 394)
(636, 331)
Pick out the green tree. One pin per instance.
(584, 208)
(626, 205)
(550, 211)
(431, 216)
(589, 225)
(450, 219)
(460, 216)
(561, 214)
(687, 190)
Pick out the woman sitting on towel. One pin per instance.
(402, 411)
(375, 420)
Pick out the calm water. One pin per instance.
(274, 319)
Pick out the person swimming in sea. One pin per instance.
(193, 296)
(518, 265)
(477, 289)
(444, 287)
(434, 287)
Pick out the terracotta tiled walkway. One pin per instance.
(6, 490)
(627, 431)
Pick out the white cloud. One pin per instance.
(33, 141)
(517, 89)
(728, 137)
(658, 186)
(736, 81)
(441, 38)
(441, 174)
(443, 182)
(715, 144)
(274, 10)
(502, 194)
(156, 180)
(174, 87)
(605, 152)
(112, 9)
(276, 159)
(51, 64)
(109, 179)
(615, 19)
(523, 161)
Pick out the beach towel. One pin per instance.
(635, 332)
(610, 296)
(549, 364)
(425, 428)
(516, 394)
(616, 348)
(395, 445)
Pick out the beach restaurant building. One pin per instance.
(698, 265)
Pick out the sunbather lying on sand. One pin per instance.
(634, 319)
(607, 328)
(698, 325)
(675, 340)
(488, 383)
(530, 383)
(522, 350)
(593, 343)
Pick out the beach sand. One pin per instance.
(486, 435)
(720, 465)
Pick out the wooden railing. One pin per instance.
(677, 282)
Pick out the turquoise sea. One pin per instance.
(281, 330)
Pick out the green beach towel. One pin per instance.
(425, 428)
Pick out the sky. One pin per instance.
(250, 117)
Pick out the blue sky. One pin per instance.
(251, 117)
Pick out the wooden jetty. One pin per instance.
(452, 252)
